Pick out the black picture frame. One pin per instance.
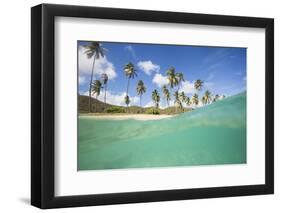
(43, 114)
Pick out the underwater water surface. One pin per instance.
(211, 135)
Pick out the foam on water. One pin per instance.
(211, 135)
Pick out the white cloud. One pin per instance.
(221, 97)
(187, 87)
(148, 67)
(102, 65)
(162, 104)
(160, 80)
(135, 100)
(149, 104)
(86, 93)
(117, 98)
(131, 50)
(82, 80)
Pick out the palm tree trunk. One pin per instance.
(140, 100)
(90, 86)
(127, 92)
(167, 102)
(128, 86)
(105, 93)
(96, 110)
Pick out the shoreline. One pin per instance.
(121, 116)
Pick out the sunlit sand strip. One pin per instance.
(128, 116)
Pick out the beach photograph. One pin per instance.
(146, 105)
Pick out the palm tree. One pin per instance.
(177, 100)
(127, 100)
(180, 77)
(96, 89)
(195, 99)
(140, 89)
(130, 72)
(172, 77)
(93, 50)
(208, 97)
(166, 93)
(104, 79)
(187, 101)
(216, 98)
(198, 84)
(182, 97)
(156, 98)
(203, 100)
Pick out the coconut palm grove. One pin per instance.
(156, 105)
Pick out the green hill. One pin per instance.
(97, 106)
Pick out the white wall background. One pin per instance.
(15, 105)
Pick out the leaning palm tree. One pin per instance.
(141, 89)
(198, 84)
(178, 101)
(93, 50)
(172, 77)
(130, 72)
(104, 80)
(156, 98)
(96, 89)
(195, 99)
(166, 93)
(208, 97)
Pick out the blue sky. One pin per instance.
(223, 70)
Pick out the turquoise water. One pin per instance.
(214, 134)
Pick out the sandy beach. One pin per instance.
(127, 116)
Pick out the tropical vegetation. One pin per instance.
(141, 89)
(96, 89)
(93, 50)
(173, 90)
(130, 72)
(104, 80)
(156, 98)
(198, 85)
(166, 94)
(178, 101)
(115, 109)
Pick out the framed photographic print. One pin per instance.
(139, 106)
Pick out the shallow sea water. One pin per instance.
(212, 135)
